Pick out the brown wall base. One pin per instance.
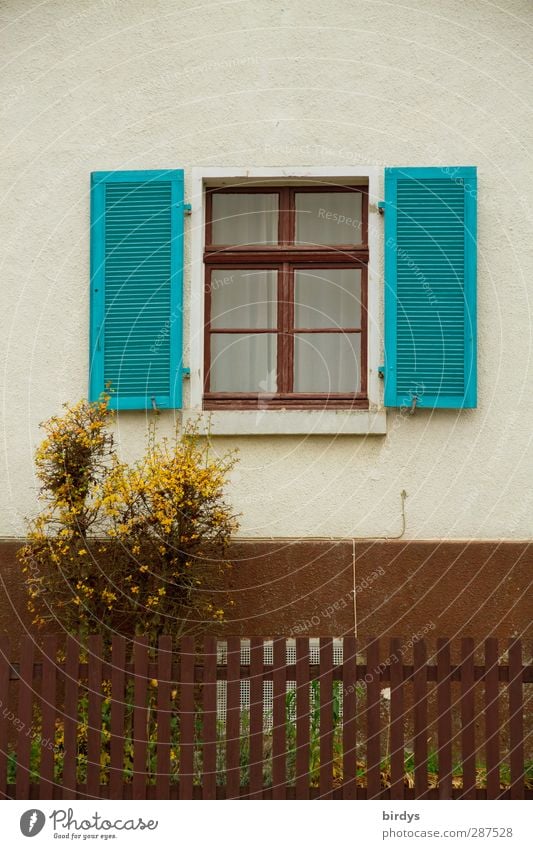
(306, 589)
(450, 588)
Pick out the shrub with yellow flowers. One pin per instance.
(127, 548)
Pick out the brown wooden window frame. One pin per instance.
(286, 257)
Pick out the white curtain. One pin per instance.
(328, 297)
(245, 219)
(243, 298)
(327, 362)
(243, 362)
(328, 218)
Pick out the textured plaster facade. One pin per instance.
(123, 85)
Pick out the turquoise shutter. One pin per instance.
(136, 288)
(430, 287)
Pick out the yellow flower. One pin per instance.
(160, 507)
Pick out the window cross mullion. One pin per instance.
(285, 311)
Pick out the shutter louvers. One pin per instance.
(430, 287)
(136, 288)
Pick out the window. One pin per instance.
(286, 297)
(287, 312)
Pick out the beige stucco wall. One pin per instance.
(131, 84)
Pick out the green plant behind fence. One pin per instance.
(290, 720)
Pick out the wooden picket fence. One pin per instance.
(263, 719)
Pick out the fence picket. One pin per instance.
(420, 718)
(279, 686)
(302, 717)
(233, 719)
(94, 715)
(256, 717)
(164, 712)
(209, 725)
(118, 716)
(140, 716)
(48, 701)
(397, 721)
(326, 717)
(444, 720)
(349, 718)
(468, 729)
(24, 728)
(516, 720)
(70, 722)
(373, 721)
(4, 713)
(186, 717)
(492, 719)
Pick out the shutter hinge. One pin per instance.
(187, 209)
(186, 372)
(381, 371)
(381, 206)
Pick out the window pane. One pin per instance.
(243, 362)
(327, 297)
(327, 362)
(329, 218)
(244, 298)
(245, 219)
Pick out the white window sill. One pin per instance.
(289, 422)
